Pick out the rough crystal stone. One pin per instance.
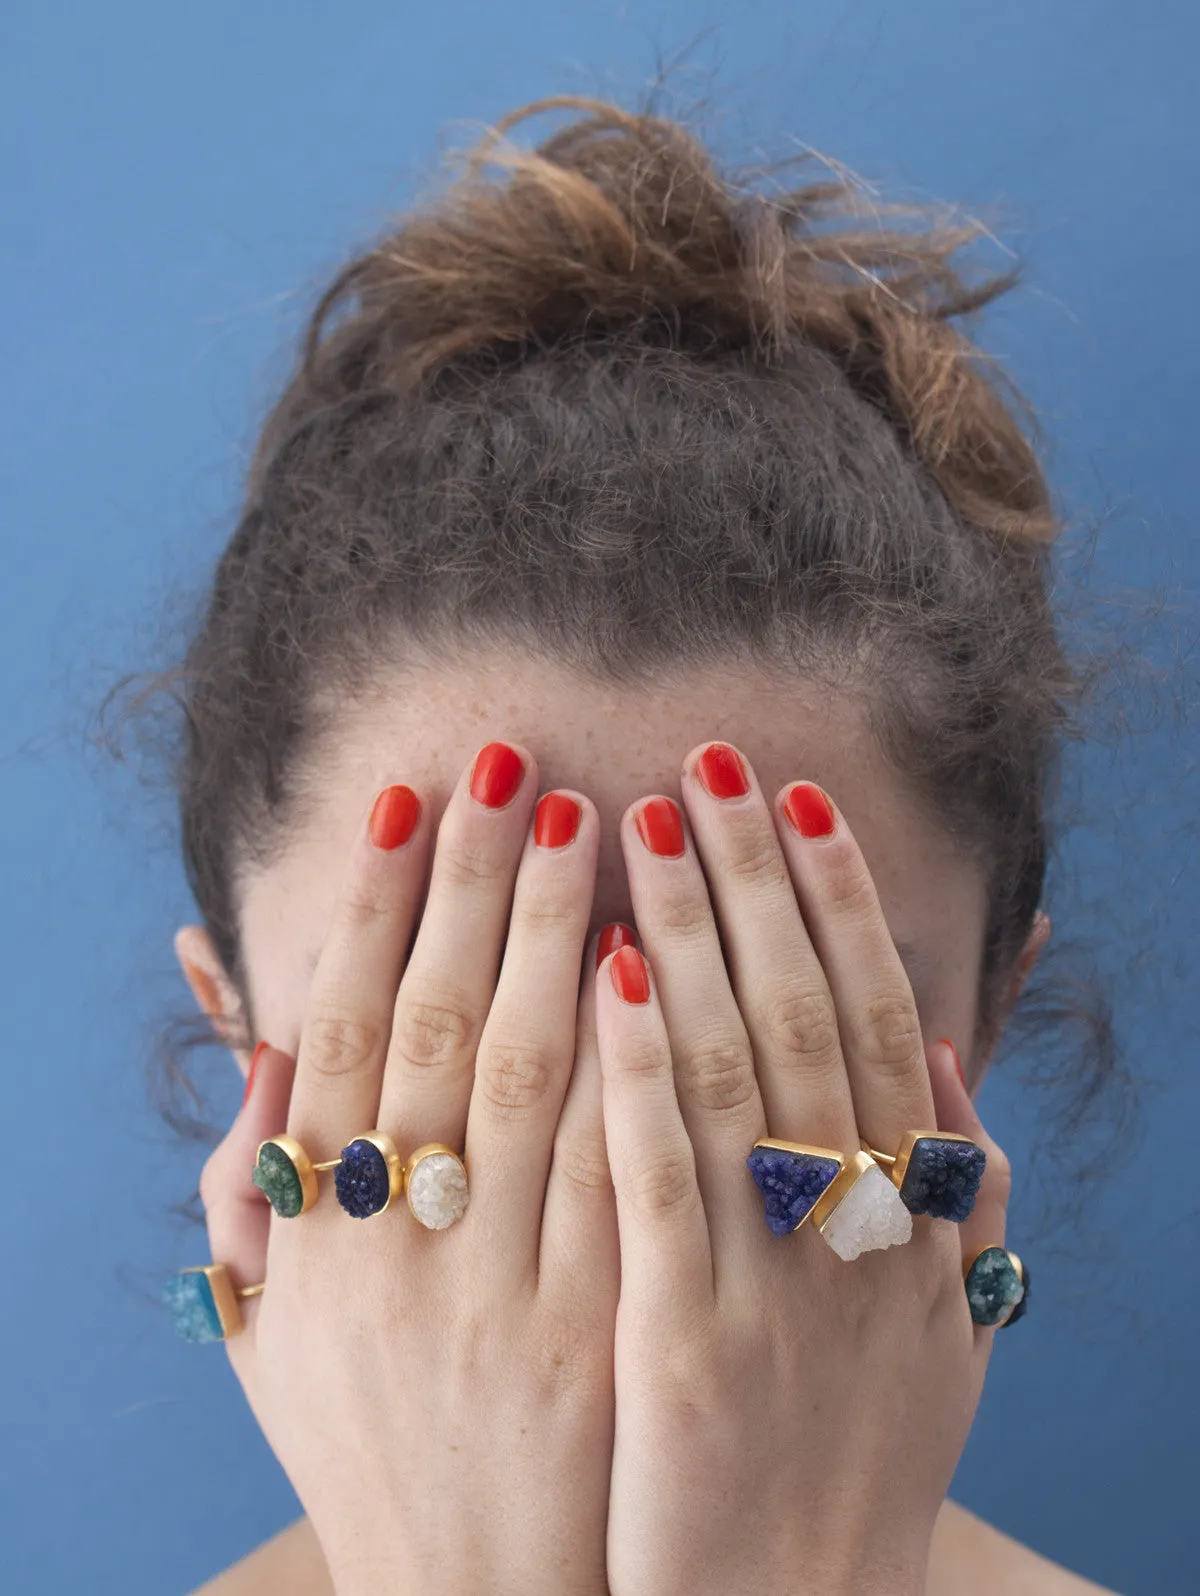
(189, 1300)
(790, 1184)
(993, 1287)
(361, 1180)
(275, 1175)
(869, 1218)
(437, 1190)
(942, 1178)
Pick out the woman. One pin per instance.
(693, 513)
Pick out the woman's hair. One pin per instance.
(597, 401)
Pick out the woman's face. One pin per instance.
(617, 745)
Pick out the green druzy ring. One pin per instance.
(204, 1303)
(997, 1286)
(287, 1176)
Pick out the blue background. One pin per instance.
(178, 181)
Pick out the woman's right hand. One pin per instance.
(442, 1401)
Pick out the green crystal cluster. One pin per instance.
(275, 1175)
(993, 1287)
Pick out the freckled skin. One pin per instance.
(617, 744)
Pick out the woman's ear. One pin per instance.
(1038, 936)
(212, 988)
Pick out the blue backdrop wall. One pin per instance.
(177, 180)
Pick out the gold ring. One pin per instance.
(370, 1175)
(936, 1173)
(997, 1287)
(791, 1177)
(860, 1210)
(435, 1179)
(204, 1303)
(287, 1176)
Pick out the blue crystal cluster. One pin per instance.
(189, 1301)
(361, 1180)
(942, 1178)
(993, 1287)
(790, 1184)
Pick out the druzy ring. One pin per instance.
(435, 1179)
(997, 1286)
(851, 1202)
(287, 1176)
(370, 1173)
(205, 1304)
(936, 1173)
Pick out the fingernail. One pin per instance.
(660, 827)
(394, 817)
(808, 810)
(497, 775)
(612, 937)
(630, 977)
(258, 1053)
(957, 1061)
(721, 771)
(556, 820)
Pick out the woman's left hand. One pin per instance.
(784, 1419)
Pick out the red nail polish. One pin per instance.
(630, 977)
(660, 827)
(612, 937)
(497, 775)
(808, 810)
(556, 820)
(957, 1061)
(394, 817)
(721, 771)
(257, 1054)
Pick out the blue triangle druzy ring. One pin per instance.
(936, 1173)
(792, 1178)
(204, 1303)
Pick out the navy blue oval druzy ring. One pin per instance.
(370, 1175)
(936, 1173)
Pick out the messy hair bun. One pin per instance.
(622, 221)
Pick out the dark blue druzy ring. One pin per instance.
(792, 1178)
(369, 1176)
(936, 1173)
(997, 1287)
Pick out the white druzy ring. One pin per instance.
(435, 1180)
(861, 1211)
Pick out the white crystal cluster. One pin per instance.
(869, 1218)
(437, 1190)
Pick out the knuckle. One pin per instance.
(546, 916)
(891, 1029)
(847, 889)
(663, 1187)
(683, 914)
(513, 1077)
(365, 904)
(428, 1033)
(583, 1164)
(337, 1045)
(757, 863)
(719, 1073)
(639, 1056)
(460, 865)
(804, 1024)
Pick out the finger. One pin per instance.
(777, 978)
(580, 1252)
(714, 1063)
(877, 1019)
(523, 1063)
(237, 1214)
(986, 1224)
(347, 1021)
(666, 1259)
(449, 981)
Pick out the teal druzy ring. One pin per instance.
(204, 1303)
(997, 1287)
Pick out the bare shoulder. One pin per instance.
(969, 1555)
(289, 1564)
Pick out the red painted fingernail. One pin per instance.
(630, 976)
(556, 820)
(497, 775)
(957, 1061)
(808, 810)
(612, 937)
(660, 827)
(394, 817)
(721, 771)
(258, 1053)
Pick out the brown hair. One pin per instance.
(595, 393)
